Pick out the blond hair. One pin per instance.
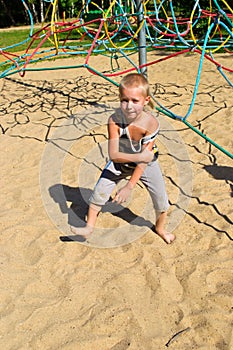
(133, 80)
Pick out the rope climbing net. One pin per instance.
(112, 28)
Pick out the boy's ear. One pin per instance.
(147, 100)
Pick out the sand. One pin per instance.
(125, 289)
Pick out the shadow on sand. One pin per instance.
(77, 211)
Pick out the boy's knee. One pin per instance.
(98, 197)
(95, 207)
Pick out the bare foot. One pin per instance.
(82, 231)
(166, 236)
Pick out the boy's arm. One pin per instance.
(124, 193)
(142, 159)
(120, 157)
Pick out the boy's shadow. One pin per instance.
(77, 211)
(221, 173)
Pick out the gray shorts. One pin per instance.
(152, 178)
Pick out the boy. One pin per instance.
(132, 132)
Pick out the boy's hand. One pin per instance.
(147, 155)
(123, 194)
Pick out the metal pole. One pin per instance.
(141, 38)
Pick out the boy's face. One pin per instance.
(132, 102)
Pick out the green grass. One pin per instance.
(21, 37)
(13, 37)
(9, 39)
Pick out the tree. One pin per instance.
(6, 17)
(34, 11)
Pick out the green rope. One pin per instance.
(170, 115)
(199, 133)
(101, 75)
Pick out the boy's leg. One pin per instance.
(152, 178)
(160, 227)
(92, 215)
(99, 197)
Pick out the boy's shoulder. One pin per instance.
(116, 117)
(151, 114)
(151, 121)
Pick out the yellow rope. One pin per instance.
(135, 34)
